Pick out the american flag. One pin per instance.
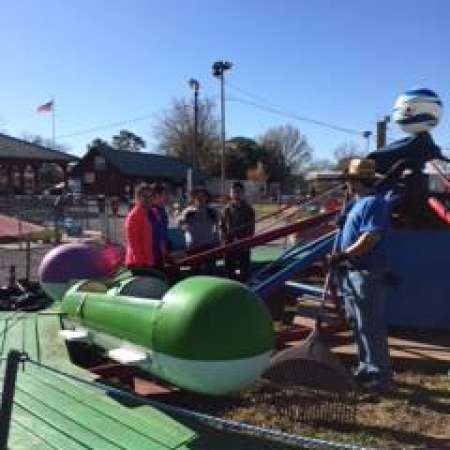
(45, 107)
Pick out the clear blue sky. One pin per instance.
(340, 61)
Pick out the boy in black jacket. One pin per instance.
(238, 222)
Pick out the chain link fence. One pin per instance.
(81, 217)
(22, 247)
(21, 261)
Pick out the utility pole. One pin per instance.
(195, 86)
(53, 124)
(381, 132)
(218, 69)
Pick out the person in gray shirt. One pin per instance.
(199, 221)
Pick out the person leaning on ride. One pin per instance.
(139, 256)
(360, 264)
(238, 222)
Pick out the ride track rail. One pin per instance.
(259, 239)
(283, 214)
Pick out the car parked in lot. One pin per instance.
(70, 226)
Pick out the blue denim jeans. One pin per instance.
(364, 295)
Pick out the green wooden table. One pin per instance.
(56, 412)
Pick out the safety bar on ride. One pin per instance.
(440, 209)
(304, 289)
(320, 249)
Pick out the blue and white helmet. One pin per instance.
(417, 110)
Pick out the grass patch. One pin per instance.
(263, 209)
(415, 413)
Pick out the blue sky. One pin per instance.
(342, 62)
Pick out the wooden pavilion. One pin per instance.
(22, 164)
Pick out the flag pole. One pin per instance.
(53, 123)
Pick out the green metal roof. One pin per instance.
(144, 164)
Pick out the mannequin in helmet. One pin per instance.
(416, 112)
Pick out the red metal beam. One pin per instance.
(258, 239)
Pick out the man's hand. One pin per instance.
(363, 244)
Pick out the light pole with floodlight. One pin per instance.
(195, 86)
(218, 69)
(366, 136)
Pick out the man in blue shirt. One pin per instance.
(361, 264)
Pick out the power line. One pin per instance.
(256, 97)
(288, 114)
(106, 126)
(273, 110)
(113, 124)
(297, 117)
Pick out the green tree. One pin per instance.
(245, 154)
(99, 143)
(241, 155)
(126, 140)
(50, 174)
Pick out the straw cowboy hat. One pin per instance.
(361, 169)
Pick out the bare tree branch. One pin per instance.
(175, 133)
(344, 153)
(290, 147)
